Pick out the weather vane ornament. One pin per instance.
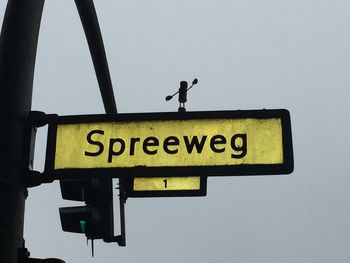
(182, 94)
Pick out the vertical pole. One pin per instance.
(18, 44)
(122, 200)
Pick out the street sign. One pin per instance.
(218, 143)
(166, 186)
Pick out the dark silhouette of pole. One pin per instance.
(93, 35)
(18, 45)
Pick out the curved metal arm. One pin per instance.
(93, 35)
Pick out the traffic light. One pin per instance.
(95, 219)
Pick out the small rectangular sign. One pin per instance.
(219, 143)
(166, 186)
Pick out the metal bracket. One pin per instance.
(36, 119)
(24, 257)
(122, 201)
(118, 239)
(40, 119)
(35, 178)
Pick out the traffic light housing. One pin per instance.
(95, 219)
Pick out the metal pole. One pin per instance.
(88, 17)
(18, 45)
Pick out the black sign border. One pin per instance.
(225, 170)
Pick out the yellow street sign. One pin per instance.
(247, 142)
(166, 186)
(166, 183)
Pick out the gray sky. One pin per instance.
(250, 54)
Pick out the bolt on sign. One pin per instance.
(210, 143)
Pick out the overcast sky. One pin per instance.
(251, 54)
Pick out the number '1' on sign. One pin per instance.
(166, 186)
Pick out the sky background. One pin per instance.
(251, 54)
